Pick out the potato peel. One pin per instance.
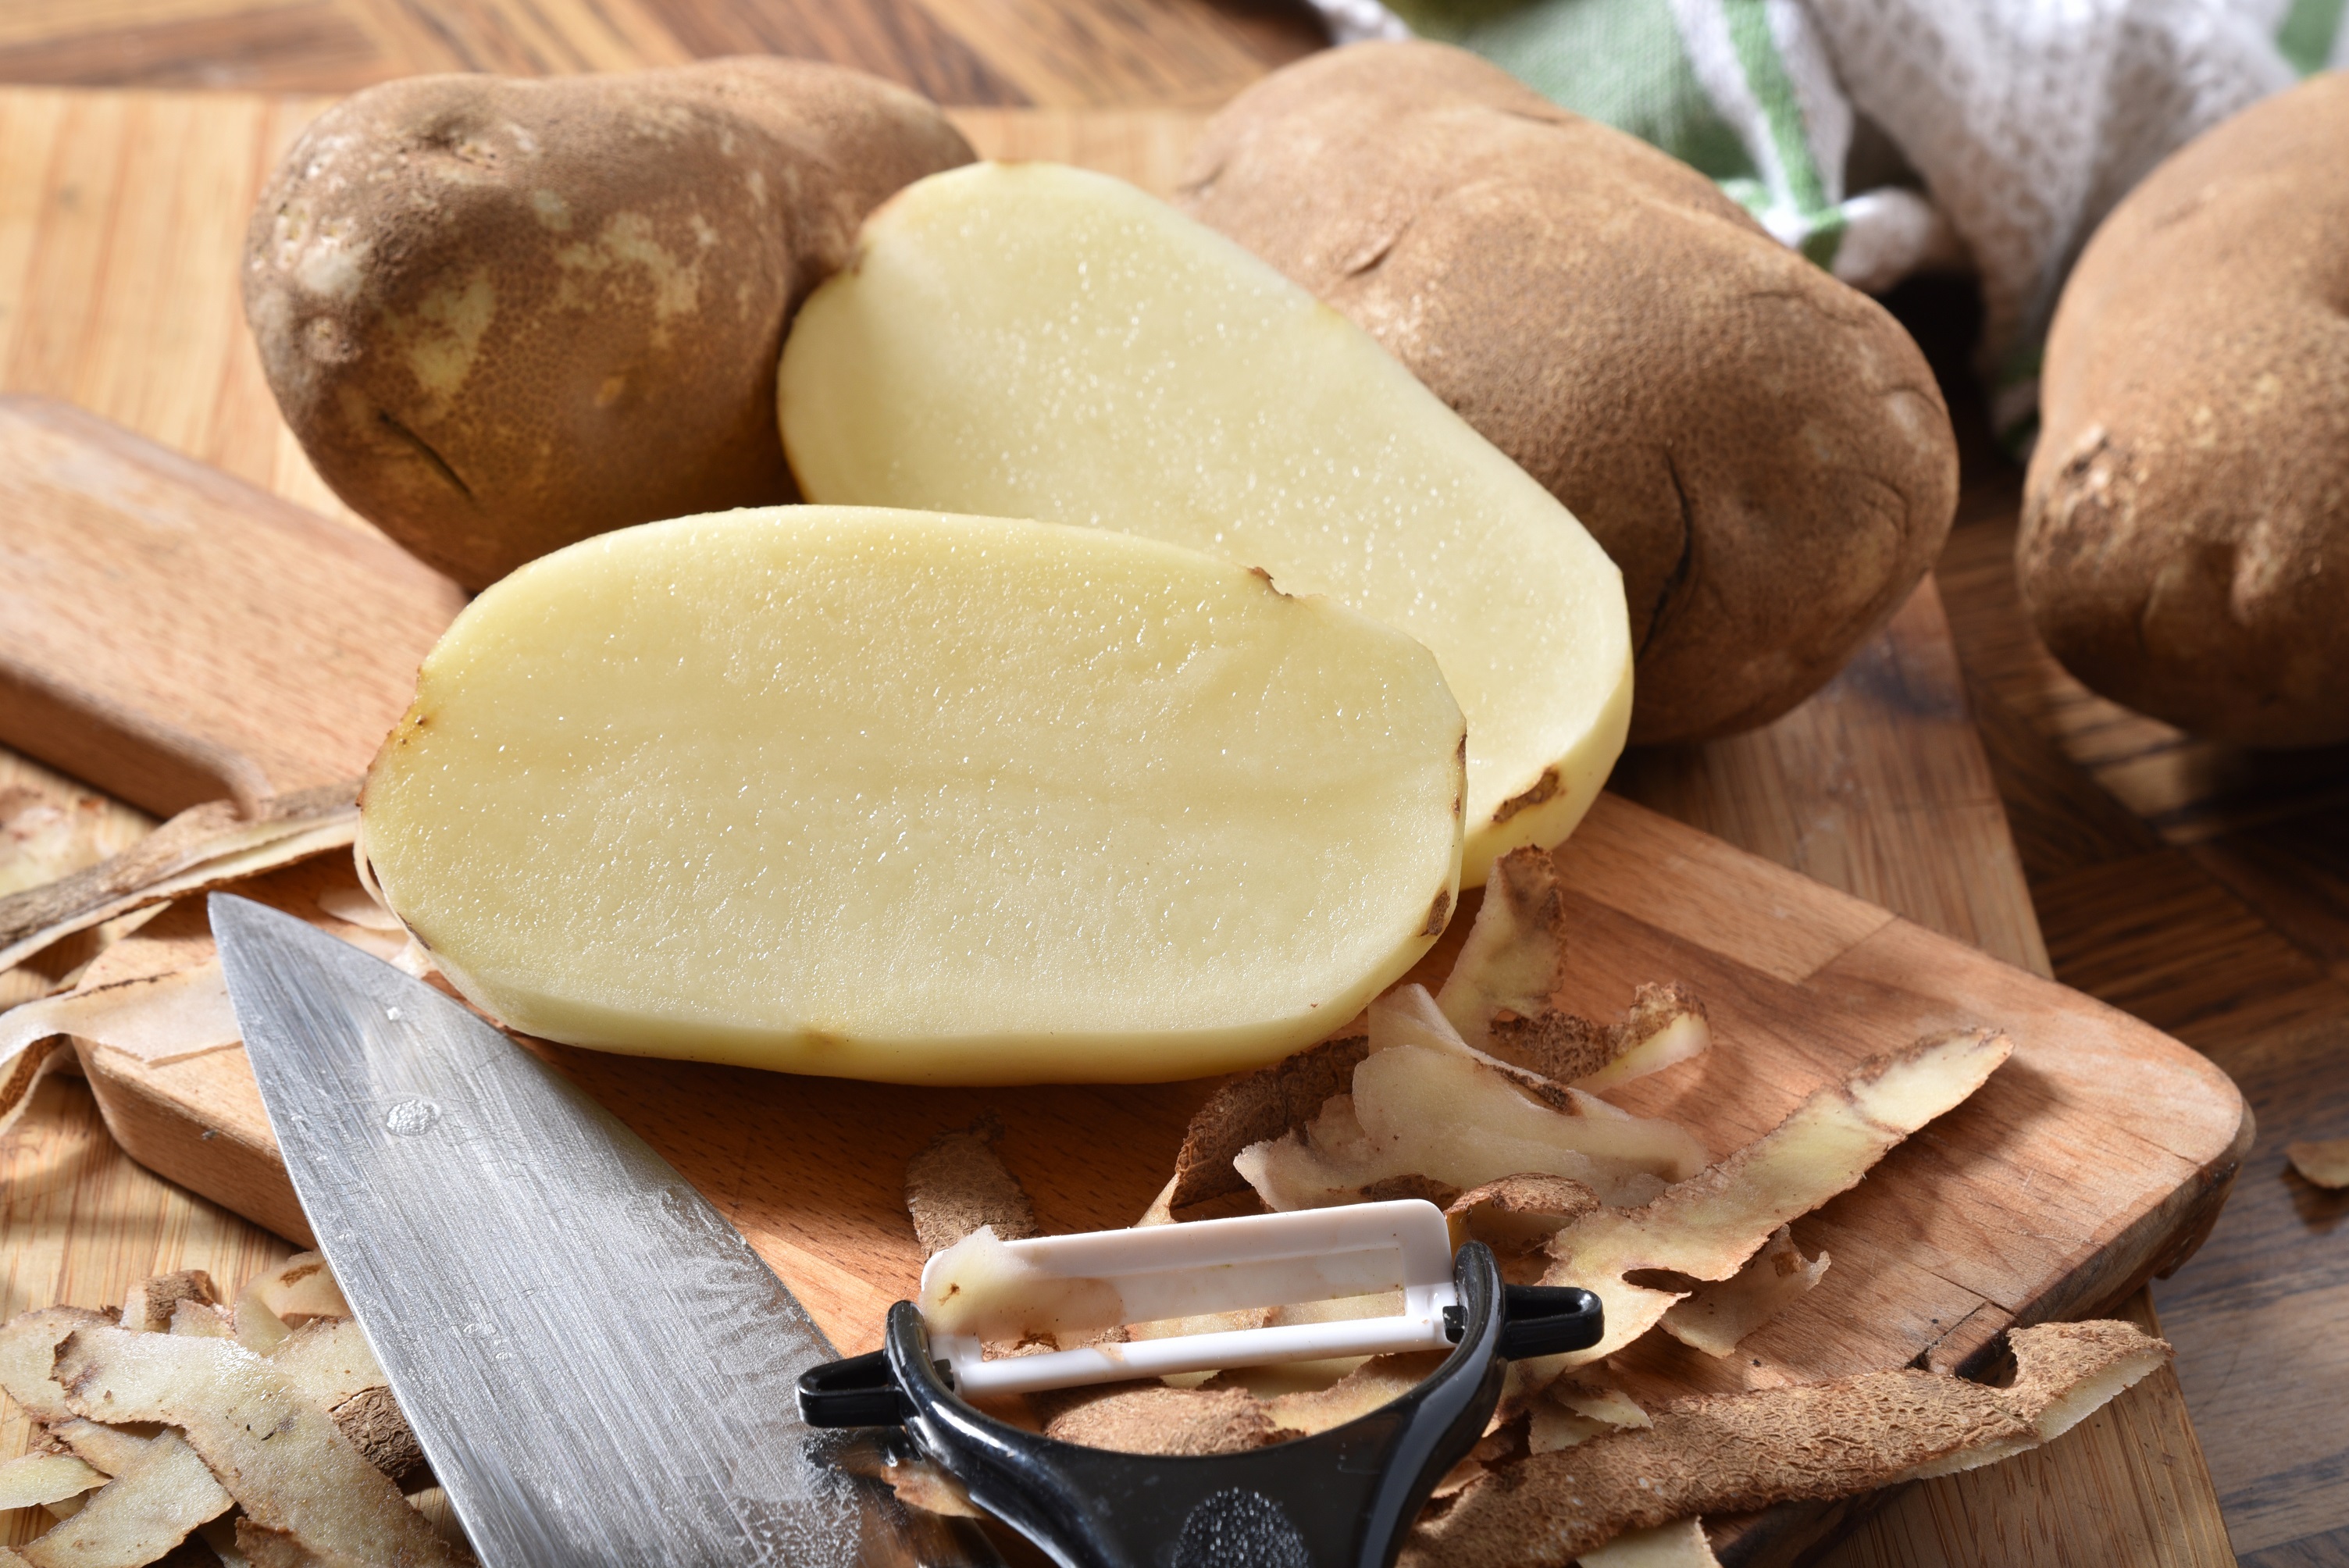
(158, 1018)
(39, 1478)
(1518, 1213)
(1493, 1005)
(147, 1508)
(1156, 1420)
(327, 1360)
(1515, 950)
(202, 848)
(264, 1548)
(21, 1077)
(203, 1319)
(111, 1450)
(1381, 1380)
(1258, 1107)
(1717, 1318)
(154, 1301)
(2324, 1162)
(28, 1353)
(958, 1183)
(1608, 1407)
(1424, 1103)
(1498, 995)
(1568, 1412)
(1736, 1452)
(298, 1289)
(1680, 1546)
(161, 1487)
(280, 1457)
(1706, 1227)
(372, 1421)
(1666, 1024)
(921, 1484)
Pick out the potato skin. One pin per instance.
(2185, 541)
(505, 315)
(1761, 450)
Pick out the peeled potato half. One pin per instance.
(915, 798)
(1030, 340)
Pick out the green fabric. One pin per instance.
(1766, 79)
(1619, 61)
(1622, 62)
(2308, 32)
(1824, 239)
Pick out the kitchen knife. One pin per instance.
(597, 1366)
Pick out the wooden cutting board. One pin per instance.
(2098, 1154)
(173, 634)
(1799, 978)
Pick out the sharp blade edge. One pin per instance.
(598, 1367)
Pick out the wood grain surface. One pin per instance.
(175, 636)
(1098, 53)
(2085, 1164)
(1833, 787)
(2089, 1159)
(1731, 779)
(2206, 889)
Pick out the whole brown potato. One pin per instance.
(505, 315)
(2185, 543)
(1761, 449)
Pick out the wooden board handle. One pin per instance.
(173, 635)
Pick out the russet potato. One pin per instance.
(1031, 340)
(503, 314)
(2185, 541)
(915, 798)
(1761, 449)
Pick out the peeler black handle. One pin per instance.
(1338, 1499)
(857, 1391)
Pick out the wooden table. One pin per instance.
(2204, 890)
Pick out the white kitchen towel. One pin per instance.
(1882, 137)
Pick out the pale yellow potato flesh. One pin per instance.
(1030, 340)
(921, 798)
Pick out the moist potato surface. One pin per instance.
(930, 799)
(1761, 450)
(1031, 340)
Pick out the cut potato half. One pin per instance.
(1030, 340)
(924, 798)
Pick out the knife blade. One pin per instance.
(597, 1366)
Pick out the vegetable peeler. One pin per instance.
(1338, 1499)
